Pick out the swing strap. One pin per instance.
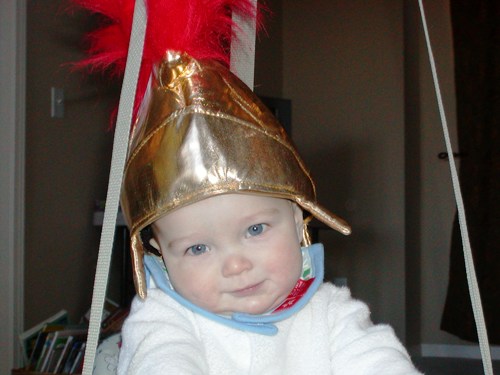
(243, 48)
(469, 262)
(118, 158)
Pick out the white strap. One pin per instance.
(469, 263)
(120, 144)
(243, 50)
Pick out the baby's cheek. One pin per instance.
(208, 300)
(290, 258)
(199, 291)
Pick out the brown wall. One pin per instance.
(67, 162)
(343, 69)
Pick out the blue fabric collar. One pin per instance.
(263, 323)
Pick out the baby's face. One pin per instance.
(233, 252)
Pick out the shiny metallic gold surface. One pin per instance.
(201, 132)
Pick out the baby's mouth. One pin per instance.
(248, 290)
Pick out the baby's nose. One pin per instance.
(235, 264)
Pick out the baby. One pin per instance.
(244, 250)
(228, 283)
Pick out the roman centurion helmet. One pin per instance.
(200, 132)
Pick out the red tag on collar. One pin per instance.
(296, 294)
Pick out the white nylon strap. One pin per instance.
(469, 263)
(120, 144)
(243, 50)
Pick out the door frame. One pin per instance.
(12, 151)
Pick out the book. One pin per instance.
(50, 360)
(45, 352)
(29, 337)
(55, 355)
(53, 346)
(59, 341)
(71, 335)
(39, 344)
(75, 348)
(78, 363)
(64, 355)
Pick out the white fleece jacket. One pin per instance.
(332, 335)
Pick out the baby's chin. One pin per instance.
(264, 303)
(257, 309)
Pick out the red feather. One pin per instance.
(202, 28)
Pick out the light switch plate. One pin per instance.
(56, 102)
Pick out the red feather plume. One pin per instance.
(202, 28)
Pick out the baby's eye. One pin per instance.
(197, 249)
(255, 229)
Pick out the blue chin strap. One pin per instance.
(262, 323)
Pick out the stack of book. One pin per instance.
(56, 347)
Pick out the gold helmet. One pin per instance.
(201, 132)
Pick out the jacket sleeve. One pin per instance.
(357, 346)
(159, 338)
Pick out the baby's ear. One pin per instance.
(149, 242)
(299, 221)
(154, 244)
